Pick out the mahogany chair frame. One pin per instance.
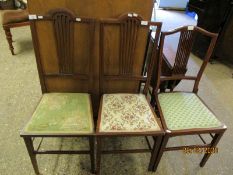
(215, 133)
(125, 73)
(65, 56)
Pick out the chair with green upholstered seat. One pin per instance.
(184, 113)
(65, 108)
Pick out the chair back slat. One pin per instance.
(183, 52)
(128, 37)
(64, 33)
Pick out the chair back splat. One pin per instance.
(121, 60)
(63, 69)
(183, 52)
(187, 37)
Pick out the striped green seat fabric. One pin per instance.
(186, 111)
(62, 113)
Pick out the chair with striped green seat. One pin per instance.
(184, 113)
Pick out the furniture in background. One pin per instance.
(123, 111)
(214, 16)
(172, 4)
(65, 109)
(223, 49)
(12, 19)
(7, 4)
(184, 113)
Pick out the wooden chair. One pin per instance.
(184, 113)
(65, 108)
(123, 111)
(12, 19)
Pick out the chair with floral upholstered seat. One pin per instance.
(184, 113)
(123, 110)
(65, 108)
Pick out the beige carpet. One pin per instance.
(20, 92)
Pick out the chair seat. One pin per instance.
(14, 16)
(62, 113)
(186, 111)
(127, 113)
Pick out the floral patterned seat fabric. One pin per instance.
(186, 111)
(127, 113)
(62, 113)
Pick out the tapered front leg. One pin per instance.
(30, 148)
(92, 153)
(98, 155)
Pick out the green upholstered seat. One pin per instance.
(186, 111)
(59, 113)
(127, 113)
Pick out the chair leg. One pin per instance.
(92, 153)
(154, 152)
(9, 38)
(98, 155)
(152, 101)
(161, 150)
(30, 148)
(214, 143)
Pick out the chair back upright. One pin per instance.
(187, 37)
(66, 65)
(123, 44)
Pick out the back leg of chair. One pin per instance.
(214, 143)
(9, 38)
(154, 152)
(30, 148)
